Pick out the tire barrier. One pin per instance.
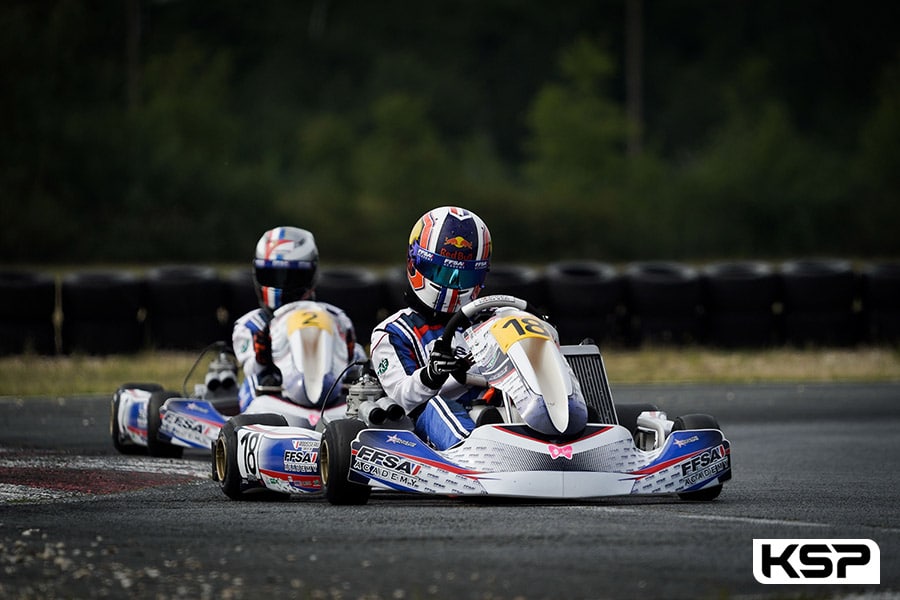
(881, 302)
(240, 297)
(102, 312)
(665, 302)
(585, 300)
(740, 300)
(183, 307)
(27, 306)
(742, 304)
(819, 298)
(395, 284)
(356, 290)
(520, 281)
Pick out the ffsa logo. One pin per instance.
(781, 561)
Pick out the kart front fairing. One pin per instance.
(519, 354)
(309, 352)
(279, 459)
(132, 415)
(196, 423)
(508, 460)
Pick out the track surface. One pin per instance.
(78, 520)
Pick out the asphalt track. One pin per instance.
(77, 520)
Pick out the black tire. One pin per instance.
(395, 284)
(881, 302)
(665, 301)
(240, 296)
(155, 446)
(359, 292)
(819, 297)
(740, 300)
(698, 421)
(627, 414)
(585, 300)
(520, 281)
(225, 457)
(334, 463)
(100, 312)
(583, 288)
(27, 295)
(114, 431)
(183, 306)
(27, 304)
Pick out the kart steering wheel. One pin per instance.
(468, 313)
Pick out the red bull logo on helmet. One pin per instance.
(458, 242)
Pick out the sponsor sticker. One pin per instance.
(386, 466)
(816, 561)
(303, 458)
(704, 465)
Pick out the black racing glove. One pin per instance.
(441, 364)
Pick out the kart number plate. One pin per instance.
(303, 319)
(509, 330)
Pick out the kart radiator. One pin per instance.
(587, 363)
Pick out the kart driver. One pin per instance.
(284, 271)
(448, 258)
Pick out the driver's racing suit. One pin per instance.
(400, 348)
(258, 320)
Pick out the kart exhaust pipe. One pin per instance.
(372, 414)
(393, 410)
(380, 412)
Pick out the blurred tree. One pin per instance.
(577, 150)
(876, 185)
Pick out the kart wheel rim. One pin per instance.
(323, 458)
(221, 459)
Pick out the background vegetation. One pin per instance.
(65, 376)
(177, 130)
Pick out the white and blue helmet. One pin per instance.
(285, 266)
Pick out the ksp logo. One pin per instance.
(781, 561)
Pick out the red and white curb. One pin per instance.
(35, 475)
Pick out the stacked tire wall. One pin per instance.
(745, 304)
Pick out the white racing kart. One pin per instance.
(554, 434)
(310, 354)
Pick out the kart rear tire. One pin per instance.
(155, 446)
(698, 421)
(114, 432)
(335, 458)
(225, 456)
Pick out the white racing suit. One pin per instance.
(400, 348)
(258, 320)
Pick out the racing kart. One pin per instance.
(311, 357)
(552, 431)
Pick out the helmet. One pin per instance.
(449, 256)
(285, 266)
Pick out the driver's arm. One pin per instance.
(399, 362)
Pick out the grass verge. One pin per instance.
(22, 376)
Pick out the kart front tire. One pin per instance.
(335, 458)
(698, 421)
(225, 458)
(627, 414)
(155, 446)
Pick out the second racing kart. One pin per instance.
(550, 429)
(310, 354)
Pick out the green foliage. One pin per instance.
(770, 130)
